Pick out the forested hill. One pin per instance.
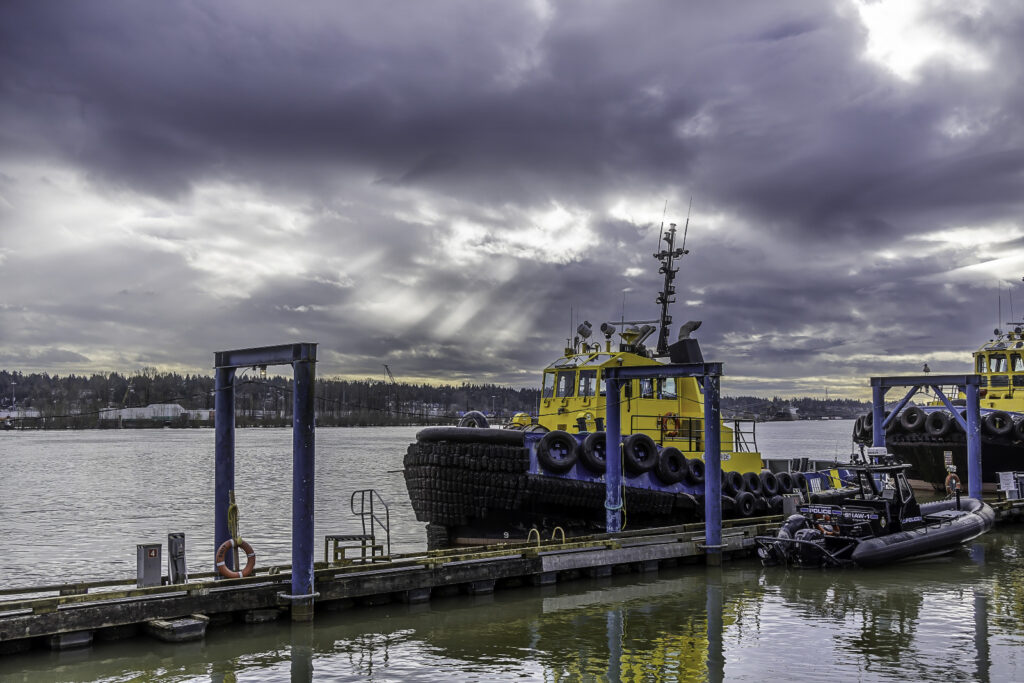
(83, 401)
(754, 407)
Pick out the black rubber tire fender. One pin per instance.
(746, 503)
(695, 471)
(769, 483)
(752, 483)
(671, 466)
(506, 437)
(938, 423)
(775, 505)
(1018, 428)
(732, 483)
(785, 481)
(639, 453)
(799, 481)
(858, 428)
(593, 452)
(912, 419)
(557, 451)
(474, 419)
(997, 423)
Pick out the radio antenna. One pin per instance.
(661, 231)
(686, 227)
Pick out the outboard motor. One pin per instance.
(781, 551)
(811, 553)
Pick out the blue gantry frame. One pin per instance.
(970, 383)
(710, 376)
(302, 358)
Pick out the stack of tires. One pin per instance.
(451, 478)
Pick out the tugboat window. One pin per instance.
(588, 380)
(997, 363)
(981, 363)
(646, 388)
(565, 382)
(668, 388)
(1016, 363)
(548, 390)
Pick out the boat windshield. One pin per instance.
(588, 382)
(565, 383)
(997, 362)
(548, 388)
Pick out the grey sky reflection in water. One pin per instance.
(957, 618)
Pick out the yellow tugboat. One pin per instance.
(922, 435)
(473, 484)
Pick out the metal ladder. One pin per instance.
(371, 516)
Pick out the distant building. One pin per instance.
(156, 412)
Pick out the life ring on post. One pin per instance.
(670, 424)
(222, 552)
(952, 483)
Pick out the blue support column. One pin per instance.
(224, 456)
(878, 415)
(303, 467)
(973, 443)
(712, 471)
(613, 458)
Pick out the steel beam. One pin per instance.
(303, 469)
(286, 354)
(673, 370)
(920, 380)
(877, 414)
(712, 470)
(612, 457)
(973, 442)
(224, 457)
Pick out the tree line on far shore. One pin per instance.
(80, 401)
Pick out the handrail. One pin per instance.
(371, 516)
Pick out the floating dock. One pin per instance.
(77, 614)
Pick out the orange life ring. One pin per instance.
(250, 563)
(952, 483)
(670, 424)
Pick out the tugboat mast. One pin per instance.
(666, 296)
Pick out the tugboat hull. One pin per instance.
(474, 486)
(925, 450)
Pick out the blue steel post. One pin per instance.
(224, 456)
(712, 471)
(303, 464)
(877, 415)
(973, 443)
(613, 458)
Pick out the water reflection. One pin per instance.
(929, 621)
(955, 618)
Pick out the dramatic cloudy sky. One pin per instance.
(434, 185)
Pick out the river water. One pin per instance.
(74, 504)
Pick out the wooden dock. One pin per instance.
(75, 614)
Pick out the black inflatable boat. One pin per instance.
(878, 521)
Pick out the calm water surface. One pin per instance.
(74, 504)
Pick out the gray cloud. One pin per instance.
(435, 186)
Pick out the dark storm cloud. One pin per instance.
(364, 155)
